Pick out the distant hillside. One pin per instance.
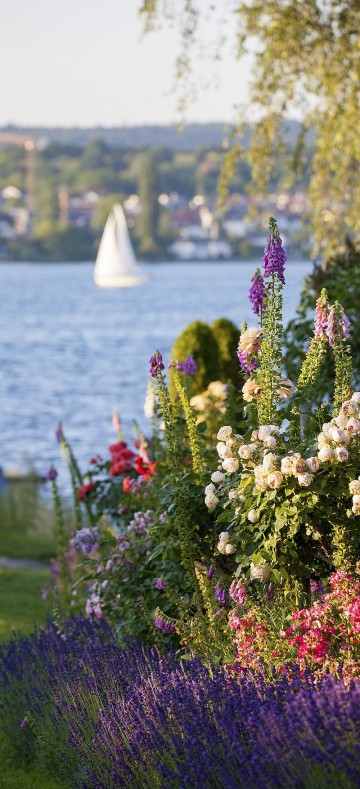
(194, 135)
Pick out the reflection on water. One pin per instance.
(71, 352)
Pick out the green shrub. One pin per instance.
(227, 336)
(197, 340)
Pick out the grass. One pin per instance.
(26, 522)
(29, 777)
(21, 605)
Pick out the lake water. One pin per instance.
(71, 352)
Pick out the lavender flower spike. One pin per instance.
(156, 364)
(257, 293)
(274, 254)
(51, 474)
(189, 366)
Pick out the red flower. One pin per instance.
(127, 484)
(83, 490)
(118, 467)
(145, 469)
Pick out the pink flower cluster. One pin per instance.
(320, 637)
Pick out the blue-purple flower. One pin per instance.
(156, 364)
(338, 325)
(51, 474)
(163, 624)
(220, 594)
(257, 293)
(160, 584)
(189, 366)
(274, 253)
(85, 540)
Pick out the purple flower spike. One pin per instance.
(220, 594)
(337, 325)
(257, 293)
(321, 317)
(161, 623)
(189, 366)
(24, 724)
(51, 474)
(159, 584)
(274, 254)
(59, 434)
(247, 365)
(210, 573)
(156, 364)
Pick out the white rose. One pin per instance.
(255, 435)
(347, 438)
(325, 454)
(264, 431)
(261, 483)
(211, 501)
(304, 479)
(217, 476)
(209, 489)
(349, 408)
(223, 451)
(270, 442)
(275, 479)
(229, 548)
(275, 430)
(224, 433)
(269, 462)
(341, 454)
(232, 494)
(322, 440)
(244, 452)
(259, 572)
(355, 398)
(337, 435)
(224, 537)
(230, 464)
(250, 340)
(341, 421)
(253, 516)
(221, 546)
(313, 464)
(327, 426)
(354, 486)
(287, 466)
(353, 426)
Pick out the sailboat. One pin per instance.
(116, 265)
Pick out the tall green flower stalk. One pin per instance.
(269, 375)
(338, 325)
(61, 543)
(197, 463)
(76, 480)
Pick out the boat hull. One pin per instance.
(127, 281)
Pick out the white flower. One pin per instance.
(211, 501)
(313, 464)
(304, 479)
(230, 464)
(224, 537)
(255, 435)
(217, 476)
(347, 438)
(341, 454)
(221, 546)
(250, 340)
(287, 466)
(269, 462)
(354, 486)
(253, 516)
(275, 430)
(150, 400)
(232, 494)
(327, 426)
(356, 504)
(353, 426)
(349, 407)
(275, 479)
(270, 442)
(223, 451)
(325, 454)
(355, 398)
(322, 440)
(337, 435)
(224, 433)
(264, 431)
(286, 389)
(299, 465)
(341, 421)
(259, 572)
(209, 489)
(251, 390)
(245, 452)
(229, 548)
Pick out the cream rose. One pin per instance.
(250, 340)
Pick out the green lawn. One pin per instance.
(21, 605)
(26, 522)
(29, 777)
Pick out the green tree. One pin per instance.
(307, 56)
(148, 193)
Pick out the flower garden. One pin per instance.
(206, 609)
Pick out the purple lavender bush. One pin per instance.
(105, 716)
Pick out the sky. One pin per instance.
(87, 63)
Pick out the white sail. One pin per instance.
(116, 266)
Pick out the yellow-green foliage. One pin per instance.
(227, 336)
